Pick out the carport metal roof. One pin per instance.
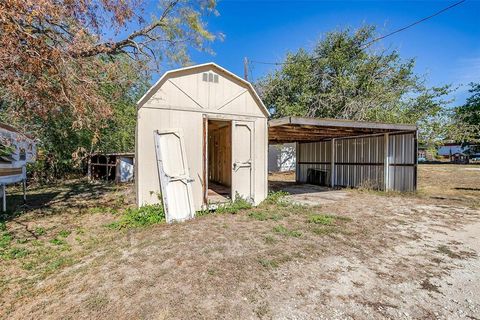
(297, 129)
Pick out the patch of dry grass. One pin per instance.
(66, 261)
(59, 227)
(450, 183)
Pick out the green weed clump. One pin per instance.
(326, 224)
(276, 197)
(263, 215)
(326, 219)
(140, 217)
(7, 251)
(40, 231)
(287, 232)
(5, 236)
(322, 219)
(14, 253)
(64, 233)
(235, 206)
(58, 242)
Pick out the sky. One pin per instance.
(446, 47)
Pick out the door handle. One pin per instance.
(237, 165)
(181, 178)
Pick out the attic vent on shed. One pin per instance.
(210, 77)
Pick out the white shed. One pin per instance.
(202, 131)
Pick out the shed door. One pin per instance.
(174, 176)
(243, 159)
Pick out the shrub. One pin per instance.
(140, 217)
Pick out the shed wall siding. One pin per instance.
(181, 103)
(150, 120)
(188, 91)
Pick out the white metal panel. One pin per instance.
(281, 157)
(126, 169)
(402, 162)
(243, 159)
(174, 175)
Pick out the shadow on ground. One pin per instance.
(54, 195)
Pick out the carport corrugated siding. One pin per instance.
(402, 157)
(316, 155)
(360, 161)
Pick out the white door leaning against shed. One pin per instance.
(174, 176)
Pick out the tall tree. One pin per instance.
(54, 54)
(72, 70)
(343, 77)
(64, 145)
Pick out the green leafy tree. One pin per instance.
(343, 77)
(466, 127)
(72, 70)
(64, 143)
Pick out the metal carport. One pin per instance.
(351, 153)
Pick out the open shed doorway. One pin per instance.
(219, 161)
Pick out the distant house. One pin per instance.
(447, 150)
(459, 157)
(457, 153)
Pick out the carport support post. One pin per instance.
(297, 159)
(332, 164)
(386, 164)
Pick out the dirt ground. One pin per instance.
(357, 255)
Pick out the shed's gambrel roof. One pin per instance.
(212, 65)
